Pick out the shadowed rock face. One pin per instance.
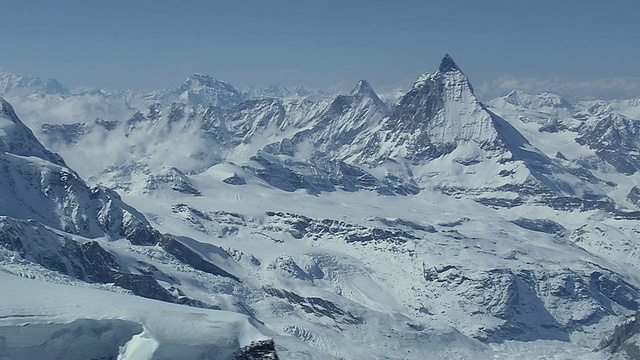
(447, 64)
(174, 179)
(417, 107)
(614, 138)
(258, 350)
(542, 225)
(533, 304)
(84, 261)
(634, 195)
(188, 256)
(315, 305)
(625, 338)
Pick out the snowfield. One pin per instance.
(51, 321)
(208, 223)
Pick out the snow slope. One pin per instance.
(340, 228)
(50, 321)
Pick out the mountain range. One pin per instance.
(297, 224)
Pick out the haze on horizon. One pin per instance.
(584, 49)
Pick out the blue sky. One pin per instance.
(575, 47)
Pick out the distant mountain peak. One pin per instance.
(448, 65)
(539, 101)
(25, 85)
(362, 87)
(201, 89)
(206, 80)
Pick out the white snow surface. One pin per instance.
(46, 321)
(318, 272)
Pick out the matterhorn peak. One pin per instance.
(448, 65)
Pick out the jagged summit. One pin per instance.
(203, 80)
(362, 87)
(447, 64)
(364, 90)
(201, 89)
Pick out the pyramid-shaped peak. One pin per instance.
(448, 65)
(362, 87)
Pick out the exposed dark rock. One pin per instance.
(455, 223)
(566, 203)
(235, 179)
(541, 225)
(175, 179)
(136, 121)
(621, 341)
(408, 224)
(634, 195)
(88, 261)
(315, 305)
(106, 124)
(182, 208)
(300, 226)
(64, 133)
(447, 64)
(614, 138)
(289, 175)
(616, 289)
(142, 285)
(626, 215)
(188, 256)
(500, 202)
(258, 350)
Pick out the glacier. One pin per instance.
(214, 223)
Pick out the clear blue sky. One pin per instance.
(143, 44)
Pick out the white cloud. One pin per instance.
(605, 89)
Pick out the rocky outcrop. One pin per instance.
(187, 255)
(314, 305)
(541, 225)
(625, 339)
(301, 226)
(614, 138)
(258, 350)
(173, 178)
(87, 261)
(531, 304)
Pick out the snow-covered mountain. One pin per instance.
(331, 227)
(30, 85)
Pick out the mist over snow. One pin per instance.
(413, 222)
(597, 89)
